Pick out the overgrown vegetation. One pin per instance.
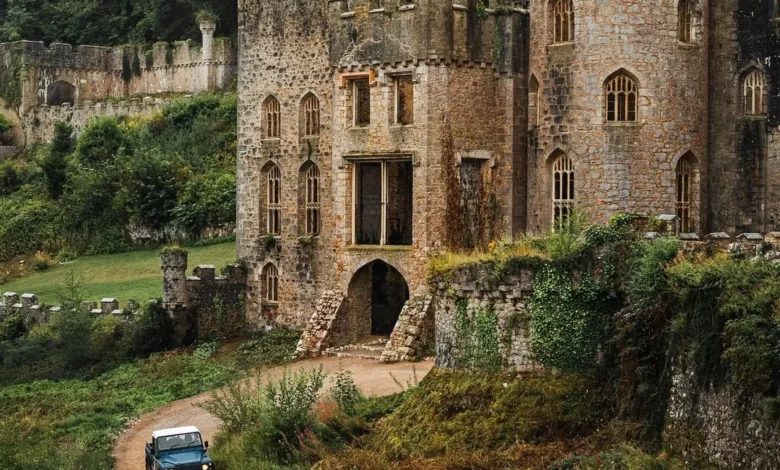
(125, 181)
(111, 22)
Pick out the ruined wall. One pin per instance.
(203, 305)
(720, 429)
(744, 150)
(618, 166)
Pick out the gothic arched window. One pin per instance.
(311, 116)
(684, 191)
(272, 113)
(621, 96)
(563, 21)
(311, 181)
(563, 195)
(271, 283)
(755, 93)
(273, 200)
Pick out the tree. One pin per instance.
(151, 191)
(55, 163)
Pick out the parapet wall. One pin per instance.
(34, 312)
(204, 304)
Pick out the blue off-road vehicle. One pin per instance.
(178, 449)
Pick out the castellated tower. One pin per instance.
(618, 97)
(373, 134)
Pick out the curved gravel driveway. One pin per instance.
(373, 378)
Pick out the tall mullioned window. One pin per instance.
(684, 186)
(311, 116)
(312, 179)
(563, 21)
(272, 112)
(755, 93)
(689, 19)
(621, 96)
(563, 195)
(274, 200)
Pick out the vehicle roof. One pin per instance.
(174, 431)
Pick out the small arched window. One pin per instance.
(755, 93)
(534, 102)
(312, 181)
(684, 190)
(311, 116)
(689, 19)
(273, 200)
(563, 195)
(271, 283)
(620, 98)
(563, 21)
(272, 113)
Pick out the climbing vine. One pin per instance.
(478, 335)
(11, 80)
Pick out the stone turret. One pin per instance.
(207, 27)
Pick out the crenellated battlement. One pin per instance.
(33, 312)
(377, 32)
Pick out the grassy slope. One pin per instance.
(135, 275)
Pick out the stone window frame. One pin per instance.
(311, 116)
(684, 177)
(754, 79)
(271, 118)
(270, 284)
(310, 201)
(354, 160)
(623, 84)
(562, 27)
(689, 22)
(396, 93)
(348, 83)
(563, 187)
(534, 102)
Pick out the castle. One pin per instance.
(375, 133)
(40, 85)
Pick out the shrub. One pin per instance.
(271, 347)
(345, 393)
(10, 178)
(100, 142)
(5, 124)
(55, 164)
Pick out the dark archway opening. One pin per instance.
(59, 93)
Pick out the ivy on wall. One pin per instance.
(11, 80)
(478, 336)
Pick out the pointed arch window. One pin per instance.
(271, 283)
(684, 193)
(621, 96)
(563, 21)
(563, 195)
(312, 181)
(274, 200)
(311, 116)
(689, 19)
(755, 93)
(272, 113)
(534, 103)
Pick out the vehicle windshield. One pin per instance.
(179, 441)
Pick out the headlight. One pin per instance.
(205, 466)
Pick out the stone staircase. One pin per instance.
(370, 348)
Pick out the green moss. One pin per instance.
(467, 412)
(11, 80)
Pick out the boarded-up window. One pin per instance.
(404, 100)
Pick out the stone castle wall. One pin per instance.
(626, 167)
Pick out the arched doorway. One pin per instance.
(375, 298)
(60, 92)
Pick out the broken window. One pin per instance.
(563, 21)
(272, 111)
(562, 190)
(274, 200)
(755, 93)
(271, 283)
(383, 203)
(621, 99)
(404, 100)
(684, 186)
(361, 105)
(311, 116)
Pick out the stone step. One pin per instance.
(360, 348)
(368, 355)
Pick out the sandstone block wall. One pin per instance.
(618, 166)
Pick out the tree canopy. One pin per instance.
(111, 22)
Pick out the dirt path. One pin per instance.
(373, 378)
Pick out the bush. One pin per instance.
(272, 347)
(55, 163)
(101, 141)
(10, 178)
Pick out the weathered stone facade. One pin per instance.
(59, 82)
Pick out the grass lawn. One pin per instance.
(136, 275)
